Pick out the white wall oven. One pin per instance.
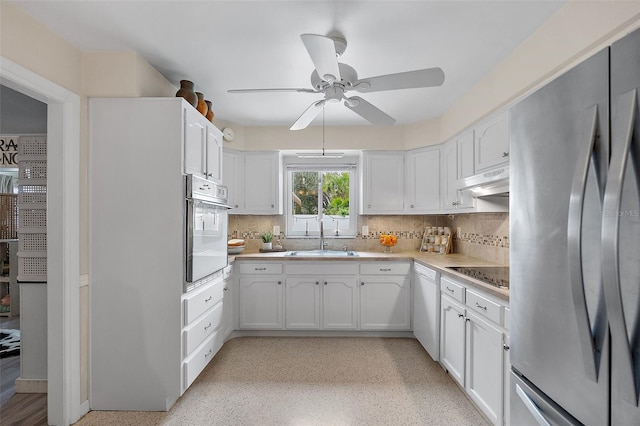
(206, 230)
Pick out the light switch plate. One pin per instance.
(276, 230)
(365, 231)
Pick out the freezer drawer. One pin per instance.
(530, 407)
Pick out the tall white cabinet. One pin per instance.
(145, 349)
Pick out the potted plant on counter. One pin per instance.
(267, 238)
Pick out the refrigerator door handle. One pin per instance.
(591, 343)
(532, 407)
(624, 373)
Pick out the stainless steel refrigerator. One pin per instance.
(575, 245)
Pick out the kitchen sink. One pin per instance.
(321, 253)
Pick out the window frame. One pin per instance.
(347, 164)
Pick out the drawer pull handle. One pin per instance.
(450, 289)
(260, 269)
(480, 306)
(208, 299)
(206, 327)
(385, 269)
(208, 354)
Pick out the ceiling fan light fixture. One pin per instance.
(316, 155)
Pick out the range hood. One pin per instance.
(493, 182)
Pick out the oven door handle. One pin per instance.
(209, 203)
(189, 240)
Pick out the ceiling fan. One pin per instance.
(333, 79)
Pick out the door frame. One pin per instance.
(63, 239)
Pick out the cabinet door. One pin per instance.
(452, 338)
(466, 164)
(423, 181)
(340, 303)
(507, 380)
(450, 174)
(261, 183)
(214, 154)
(383, 183)
(385, 303)
(194, 143)
(492, 142)
(261, 303)
(426, 312)
(228, 311)
(231, 179)
(302, 303)
(484, 367)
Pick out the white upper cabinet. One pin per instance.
(383, 182)
(454, 199)
(492, 142)
(422, 181)
(202, 147)
(254, 180)
(466, 163)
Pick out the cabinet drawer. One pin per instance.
(199, 301)
(427, 272)
(198, 360)
(331, 268)
(377, 268)
(452, 289)
(484, 306)
(196, 332)
(260, 268)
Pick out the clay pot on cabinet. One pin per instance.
(187, 92)
(209, 111)
(202, 106)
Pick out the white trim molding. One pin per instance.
(63, 238)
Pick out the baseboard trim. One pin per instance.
(31, 385)
(318, 333)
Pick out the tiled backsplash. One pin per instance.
(484, 235)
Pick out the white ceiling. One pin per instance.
(222, 45)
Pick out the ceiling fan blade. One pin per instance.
(429, 77)
(323, 54)
(308, 115)
(272, 90)
(368, 111)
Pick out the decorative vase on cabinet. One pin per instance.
(202, 106)
(187, 92)
(210, 114)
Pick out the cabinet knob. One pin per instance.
(325, 283)
(467, 319)
(235, 205)
(271, 205)
(505, 154)
(411, 206)
(225, 289)
(362, 283)
(460, 315)
(369, 205)
(317, 282)
(279, 282)
(505, 347)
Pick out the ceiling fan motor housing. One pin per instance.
(348, 76)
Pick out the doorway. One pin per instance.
(63, 242)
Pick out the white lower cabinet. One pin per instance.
(340, 303)
(452, 338)
(229, 302)
(385, 303)
(473, 343)
(261, 303)
(327, 303)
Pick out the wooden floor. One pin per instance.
(23, 408)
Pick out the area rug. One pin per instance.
(9, 343)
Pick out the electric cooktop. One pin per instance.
(497, 276)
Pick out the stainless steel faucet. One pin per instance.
(323, 243)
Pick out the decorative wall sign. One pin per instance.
(8, 151)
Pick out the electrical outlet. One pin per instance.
(365, 231)
(276, 230)
(459, 231)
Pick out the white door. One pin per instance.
(450, 174)
(452, 338)
(302, 303)
(423, 181)
(340, 303)
(231, 179)
(194, 144)
(261, 303)
(261, 183)
(466, 164)
(492, 142)
(484, 368)
(214, 154)
(383, 183)
(385, 303)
